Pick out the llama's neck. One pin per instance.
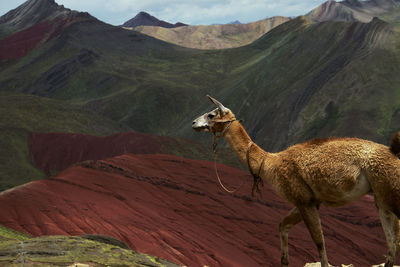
(239, 140)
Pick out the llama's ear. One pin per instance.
(220, 107)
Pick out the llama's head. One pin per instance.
(214, 121)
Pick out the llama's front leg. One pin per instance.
(311, 219)
(293, 218)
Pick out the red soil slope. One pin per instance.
(21, 43)
(173, 208)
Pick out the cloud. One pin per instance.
(6, 6)
(117, 12)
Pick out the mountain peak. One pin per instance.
(145, 19)
(145, 14)
(32, 12)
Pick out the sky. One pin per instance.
(193, 12)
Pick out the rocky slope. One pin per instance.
(145, 19)
(213, 36)
(353, 10)
(173, 208)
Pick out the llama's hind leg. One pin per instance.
(293, 218)
(311, 219)
(390, 225)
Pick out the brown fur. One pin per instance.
(329, 171)
(395, 144)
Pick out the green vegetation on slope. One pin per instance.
(65, 251)
(16, 167)
(41, 114)
(10, 234)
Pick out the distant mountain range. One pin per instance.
(235, 34)
(216, 36)
(213, 36)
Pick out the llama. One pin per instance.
(329, 171)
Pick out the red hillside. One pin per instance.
(173, 208)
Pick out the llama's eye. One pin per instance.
(210, 116)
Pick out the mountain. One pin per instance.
(173, 208)
(213, 36)
(354, 10)
(301, 80)
(144, 18)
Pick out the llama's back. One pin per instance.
(341, 170)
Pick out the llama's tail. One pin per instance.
(395, 144)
